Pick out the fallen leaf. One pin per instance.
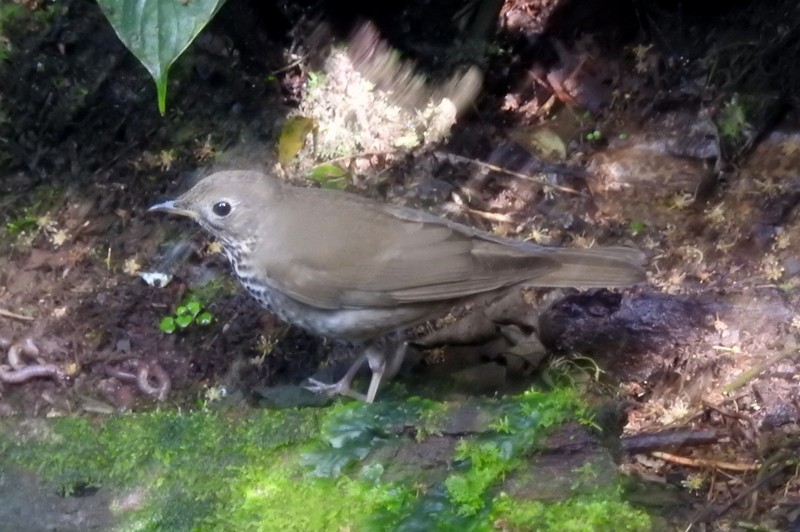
(542, 142)
(293, 137)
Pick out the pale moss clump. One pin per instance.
(353, 116)
(369, 101)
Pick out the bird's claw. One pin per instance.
(320, 387)
(331, 390)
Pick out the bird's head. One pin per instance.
(226, 204)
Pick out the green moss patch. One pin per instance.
(412, 464)
(595, 510)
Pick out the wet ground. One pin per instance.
(649, 125)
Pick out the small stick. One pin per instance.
(8, 314)
(758, 369)
(495, 168)
(704, 462)
(642, 443)
(492, 216)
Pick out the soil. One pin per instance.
(640, 96)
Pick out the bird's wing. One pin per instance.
(357, 253)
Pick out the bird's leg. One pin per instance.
(376, 357)
(380, 365)
(343, 385)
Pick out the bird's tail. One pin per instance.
(594, 268)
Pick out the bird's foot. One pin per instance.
(337, 388)
(376, 357)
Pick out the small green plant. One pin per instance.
(314, 80)
(9, 13)
(594, 135)
(468, 490)
(33, 211)
(5, 51)
(502, 425)
(732, 119)
(637, 226)
(22, 223)
(190, 311)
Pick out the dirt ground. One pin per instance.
(646, 123)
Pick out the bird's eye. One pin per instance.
(221, 208)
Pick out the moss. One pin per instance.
(272, 498)
(185, 462)
(17, 21)
(305, 469)
(352, 430)
(523, 421)
(30, 216)
(597, 510)
(214, 289)
(431, 420)
(468, 490)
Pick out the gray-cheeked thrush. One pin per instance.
(348, 267)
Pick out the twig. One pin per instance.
(362, 154)
(755, 371)
(765, 477)
(704, 462)
(493, 167)
(735, 415)
(289, 66)
(493, 216)
(14, 315)
(526, 177)
(642, 443)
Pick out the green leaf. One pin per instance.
(184, 320)
(542, 142)
(193, 307)
(330, 176)
(158, 31)
(205, 318)
(327, 171)
(167, 325)
(293, 137)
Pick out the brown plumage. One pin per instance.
(349, 267)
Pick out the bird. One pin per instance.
(352, 268)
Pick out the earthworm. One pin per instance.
(119, 374)
(163, 383)
(144, 374)
(24, 374)
(17, 371)
(15, 352)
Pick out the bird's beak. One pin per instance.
(171, 207)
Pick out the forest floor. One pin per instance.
(671, 129)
